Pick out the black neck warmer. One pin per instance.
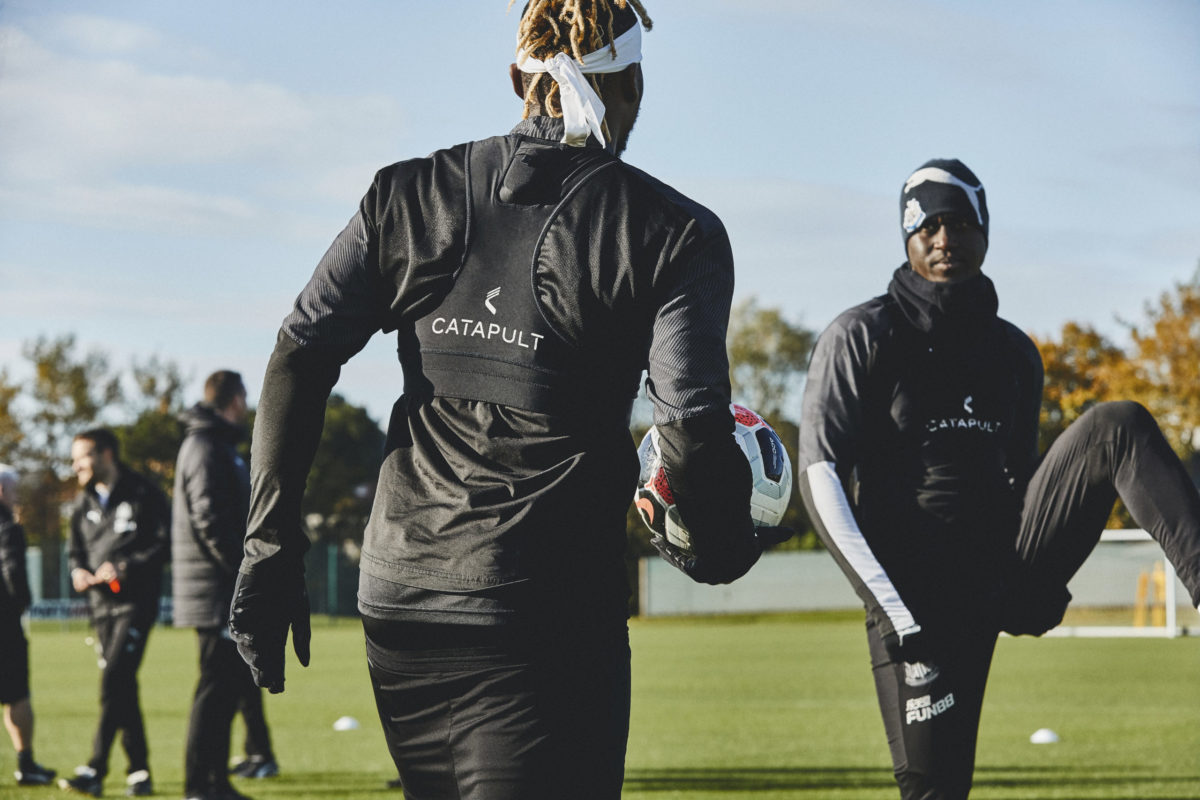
(944, 309)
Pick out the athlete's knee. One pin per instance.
(1125, 415)
(923, 786)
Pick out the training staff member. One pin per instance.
(530, 278)
(120, 540)
(210, 504)
(919, 467)
(14, 649)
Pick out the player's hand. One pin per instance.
(82, 579)
(769, 535)
(732, 564)
(266, 602)
(662, 519)
(910, 646)
(1032, 609)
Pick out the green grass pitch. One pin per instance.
(765, 707)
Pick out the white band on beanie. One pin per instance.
(582, 108)
(942, 176)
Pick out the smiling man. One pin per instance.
(119, 543)
(919, 467)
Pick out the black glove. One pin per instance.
(733, 564)
(1031, 608)
(911, 647)
(266, 602)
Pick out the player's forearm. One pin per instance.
(287, 430)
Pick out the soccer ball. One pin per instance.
(770, 474)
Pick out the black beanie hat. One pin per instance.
(942, 186)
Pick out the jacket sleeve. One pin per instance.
(77, 557)
(12, 565)
(207, 481)
(333, 318)
(831, 437)
(688, 382)
(1022, 457)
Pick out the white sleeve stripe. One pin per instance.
(834, 509)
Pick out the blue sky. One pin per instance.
(171, 172)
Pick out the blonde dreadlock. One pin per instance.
(577, 27)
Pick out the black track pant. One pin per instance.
(258, 735)
(1114, 449)
(224, 680)
(122, 644)
(481, 713)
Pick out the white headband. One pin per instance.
(581, 106)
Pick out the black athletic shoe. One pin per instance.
(86, 781)
(138, 784)
(36, 775)
(256, 767)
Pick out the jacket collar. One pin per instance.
(944, 308)
(541, 127)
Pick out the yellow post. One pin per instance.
(1139, 604)
(1158, 612)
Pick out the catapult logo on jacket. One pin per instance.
(967, 423)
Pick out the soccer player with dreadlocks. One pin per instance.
(530, 278)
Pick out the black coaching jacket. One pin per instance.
(917, 438)
(529, 284)
(132, 531)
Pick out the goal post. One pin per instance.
(1127, 588)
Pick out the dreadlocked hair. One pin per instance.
(577, 27)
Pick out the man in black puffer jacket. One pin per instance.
(212, 496)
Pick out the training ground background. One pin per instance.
(762, 707)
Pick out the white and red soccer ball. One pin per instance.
(770, 474)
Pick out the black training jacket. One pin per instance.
(529, 284)
(208, 519)
(14, 583)
(917, 438)
(133, 533)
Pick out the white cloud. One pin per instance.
(109, 135)
(100, 35)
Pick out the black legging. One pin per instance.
(931, 713)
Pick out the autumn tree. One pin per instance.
(1166, 359)
(1160, 369)
(1082, 368)
(11, 435)
(341, 483)
(767, 358)
(67, 393)
(151, 442)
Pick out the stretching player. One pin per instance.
(919, 467)
(530, 278)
